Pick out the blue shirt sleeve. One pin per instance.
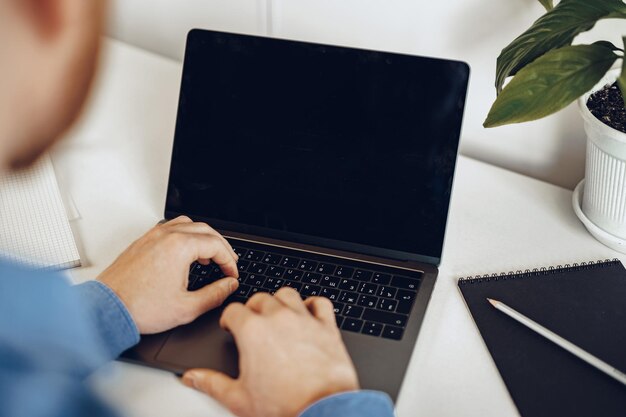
(352, 404)
(52, 336)
(110, 318)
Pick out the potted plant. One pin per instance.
(548, 73)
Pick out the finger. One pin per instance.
(264, 303)
(225, 241)
(178, 220)
(234, 316)
(203, 228)
(211, 247)
(216, 384)
(291, 298)
(322, 309)
(213, 295)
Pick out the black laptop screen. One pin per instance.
(315, 143)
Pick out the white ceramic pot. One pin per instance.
(604, 190)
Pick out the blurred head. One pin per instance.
(48, 51)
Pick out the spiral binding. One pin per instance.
(536, 272)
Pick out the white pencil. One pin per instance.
(565, 344)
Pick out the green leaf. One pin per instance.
(555, 29)
(621, 81)
(547, 4)
(608, 44)
(550, 83)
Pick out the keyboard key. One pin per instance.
(404, 295)
(353, 311)
(368, 289)
(311, 278)
(201, 270)
(243, 276)
(330, 281)
(272, 258)
(309, 290)
(362, 275)
(242, 291)
(233, 299)
(275, 271)
(352, 325)
(306, 265)
(325, 268)
(387, 305)
(344, 272)
(242, 265)
(289, 262)
(255, 290)
(254, 255)
(349, 297)
(373, 329)
(348, 285)
(255, 280)
(339, 321)
(241, 252)
(337, 307)
(330, 293)
(391, 332)
(404, 307)
(398, 320)
(293, 274)
(387, 292)
(216, 273)
(199, 283)
(405, 283)
(381, 279)
(293, 284)
(273, 283)
(367, 301)
(257, 268)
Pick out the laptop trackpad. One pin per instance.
(201, 344)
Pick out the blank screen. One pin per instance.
(293, 139)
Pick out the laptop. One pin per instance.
(329, 170)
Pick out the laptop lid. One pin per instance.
(337, 147)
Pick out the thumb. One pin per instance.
(212, 383)
(214, 295)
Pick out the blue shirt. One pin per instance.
(53, 335)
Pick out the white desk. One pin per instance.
(115, 165)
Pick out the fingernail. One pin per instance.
(233, 285)
(189, 379)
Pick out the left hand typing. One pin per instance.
(151, 276)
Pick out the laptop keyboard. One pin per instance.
(368, 299)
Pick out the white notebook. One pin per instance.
(34, 227)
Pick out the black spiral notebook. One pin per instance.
(584, 303)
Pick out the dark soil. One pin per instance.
(607, 105)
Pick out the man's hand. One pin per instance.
(151, 276)
(290, 355)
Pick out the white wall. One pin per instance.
(161, 25)
(472, 30)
